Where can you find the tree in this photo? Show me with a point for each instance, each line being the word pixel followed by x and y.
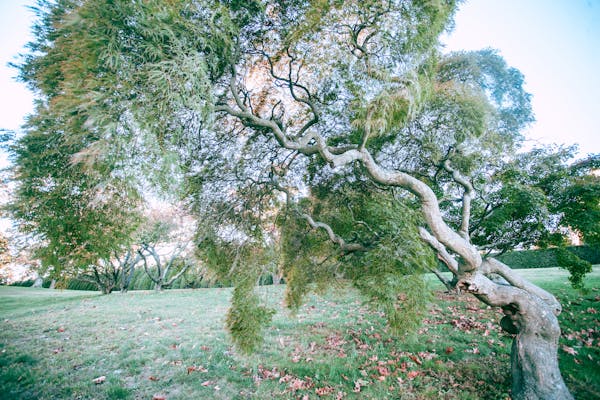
pixel 81 207
pixel 538 198
pixel 128 262
pixel 166 240
pixel 4 255
pixel 110 273
pixel 341 121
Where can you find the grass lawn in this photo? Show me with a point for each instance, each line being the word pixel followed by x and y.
pixel 171 345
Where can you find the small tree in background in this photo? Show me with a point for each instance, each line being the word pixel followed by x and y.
pixel 165 245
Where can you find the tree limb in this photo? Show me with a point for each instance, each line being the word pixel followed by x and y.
pixel 468 194
pixel 442 252
pixel 429 202
pixel 492 265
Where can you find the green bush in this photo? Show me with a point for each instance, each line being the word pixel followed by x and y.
pixel 27 283
pixel 76 284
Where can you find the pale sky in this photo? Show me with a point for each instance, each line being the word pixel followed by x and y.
pixel 555 43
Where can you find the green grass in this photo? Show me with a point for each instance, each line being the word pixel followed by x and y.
pixel 53 344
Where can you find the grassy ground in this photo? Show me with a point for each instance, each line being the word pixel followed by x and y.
pixel 171 345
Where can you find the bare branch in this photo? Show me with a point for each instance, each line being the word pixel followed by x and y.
pixel 492 265
pixel 468 194
pixel 346 247
pixel 442 252
pixel 176 276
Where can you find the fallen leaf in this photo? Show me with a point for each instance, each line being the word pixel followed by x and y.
pixel 206 383
pixel 415 359
pixel 324 391
pixel 159 397
pixel 413 374
pixel 153 378
pixel 297 384
pixel 60 329
pixel 449 349
pixel 198 368
pixel 569 350
pixel 99 380
pixel 358 384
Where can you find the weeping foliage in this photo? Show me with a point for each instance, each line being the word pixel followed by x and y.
pixel 79 215
pixel 242 263
pixel 246 318
pixel 388 271
pixel 309 260
pixel 99 134
pixel 390 274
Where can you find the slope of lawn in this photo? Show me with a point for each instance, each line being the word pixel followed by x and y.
pixel 171 345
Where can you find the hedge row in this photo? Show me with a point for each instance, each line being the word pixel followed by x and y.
pixel 546 258
pixel 141 281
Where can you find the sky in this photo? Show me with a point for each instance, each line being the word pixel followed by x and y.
pixel 554 43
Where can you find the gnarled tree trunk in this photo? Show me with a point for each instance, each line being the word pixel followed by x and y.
pixel 534 357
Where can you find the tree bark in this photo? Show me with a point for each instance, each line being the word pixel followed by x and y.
pixel 534 357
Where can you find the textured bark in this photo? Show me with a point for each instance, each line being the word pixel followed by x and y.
pixel 534 357
pixel 534 365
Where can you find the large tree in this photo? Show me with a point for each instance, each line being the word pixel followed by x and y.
pixel 335 130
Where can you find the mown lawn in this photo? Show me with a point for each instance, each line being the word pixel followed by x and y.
pixel 172 345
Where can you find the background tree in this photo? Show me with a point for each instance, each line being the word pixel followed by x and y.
pixel 4 255
pixel 164 246
pixel 127 262
pixel 539 198
pixel 378 150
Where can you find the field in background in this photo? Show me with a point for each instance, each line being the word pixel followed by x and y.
pixel 171 345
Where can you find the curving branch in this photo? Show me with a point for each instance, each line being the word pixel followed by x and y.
pixel 441 250
pixel 431 211
pixel 494 266
pixel 468 194
pixel 345 247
